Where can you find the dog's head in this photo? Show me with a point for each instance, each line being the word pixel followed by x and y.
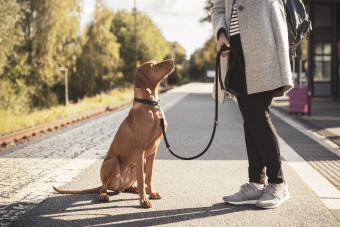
pixel 150 74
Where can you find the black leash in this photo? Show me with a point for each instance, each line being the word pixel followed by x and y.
pixel 218 79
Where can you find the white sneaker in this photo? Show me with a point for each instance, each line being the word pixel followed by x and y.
pixel 273 196
pixel 249 193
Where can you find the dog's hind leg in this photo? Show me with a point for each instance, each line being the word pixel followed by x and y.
pixel 129 178
pixel 110 177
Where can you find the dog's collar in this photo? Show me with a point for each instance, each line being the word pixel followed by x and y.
pixel 154 103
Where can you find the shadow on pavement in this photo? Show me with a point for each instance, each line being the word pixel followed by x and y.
pixel 55 211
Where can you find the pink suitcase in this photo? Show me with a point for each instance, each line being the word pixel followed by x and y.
pixel 299 100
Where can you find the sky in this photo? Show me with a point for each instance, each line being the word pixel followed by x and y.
pixel 178 20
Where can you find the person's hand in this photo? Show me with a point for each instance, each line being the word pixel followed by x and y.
pixel 223 41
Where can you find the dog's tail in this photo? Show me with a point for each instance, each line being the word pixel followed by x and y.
pixel 71 191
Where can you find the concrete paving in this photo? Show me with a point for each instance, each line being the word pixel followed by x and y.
pixel 191 190
pixel 313 137
pixel 324 119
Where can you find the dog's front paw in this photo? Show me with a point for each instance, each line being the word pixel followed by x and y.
pixel 104 197
pixel 145 203
pixel 154 195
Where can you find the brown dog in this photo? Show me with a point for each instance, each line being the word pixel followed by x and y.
pixel 135 144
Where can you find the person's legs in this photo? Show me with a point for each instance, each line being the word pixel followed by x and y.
pixel 249 193
pixel 261 129
pixel 256 166
pixel 256 116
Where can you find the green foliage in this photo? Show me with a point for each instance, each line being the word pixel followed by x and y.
pixel 203 59
pixel 13 68
pixel 54 44
pixel 39 37
pixel 54 41
pixel 44 37
pixel 151 45
pixel 9 32
pixel 10 121
pixel 13 96
pixel 99 60
pixel 14 92
pixel 179 55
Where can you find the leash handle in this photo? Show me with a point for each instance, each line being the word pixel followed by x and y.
pixel 218 79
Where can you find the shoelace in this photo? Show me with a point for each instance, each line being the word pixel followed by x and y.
pixel 272 189
pixel 245 187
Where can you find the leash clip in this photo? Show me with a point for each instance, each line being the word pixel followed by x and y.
pixel 158 106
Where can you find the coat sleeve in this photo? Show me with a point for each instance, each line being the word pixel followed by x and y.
pixel 279 26
pixel 218 17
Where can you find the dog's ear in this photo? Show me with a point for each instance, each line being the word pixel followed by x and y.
pixel 149 91
pixel 140 80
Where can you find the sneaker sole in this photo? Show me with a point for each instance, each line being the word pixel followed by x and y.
pixel 241 202
pixel 277 205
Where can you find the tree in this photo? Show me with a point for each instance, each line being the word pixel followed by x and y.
pixel 178 53
pixel 54 45
pixel 41 36
pixel 99 60
pixel 13 67
pixel 56 32
pixel 203 59
pixel 151 45
pixel 9 32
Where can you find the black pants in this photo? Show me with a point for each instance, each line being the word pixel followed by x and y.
pixel 261 138
pixel 260 134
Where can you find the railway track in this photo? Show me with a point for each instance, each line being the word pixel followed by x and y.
pixel 27 133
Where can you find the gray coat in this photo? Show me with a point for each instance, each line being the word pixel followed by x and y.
pixel 264 39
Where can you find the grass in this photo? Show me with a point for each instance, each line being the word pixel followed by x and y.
pixel 10 122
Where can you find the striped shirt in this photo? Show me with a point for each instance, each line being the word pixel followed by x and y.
pixel 234 27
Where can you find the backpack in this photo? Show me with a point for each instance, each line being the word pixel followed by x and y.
pixel 298 23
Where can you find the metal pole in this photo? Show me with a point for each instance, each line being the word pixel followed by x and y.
pixel 66 86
